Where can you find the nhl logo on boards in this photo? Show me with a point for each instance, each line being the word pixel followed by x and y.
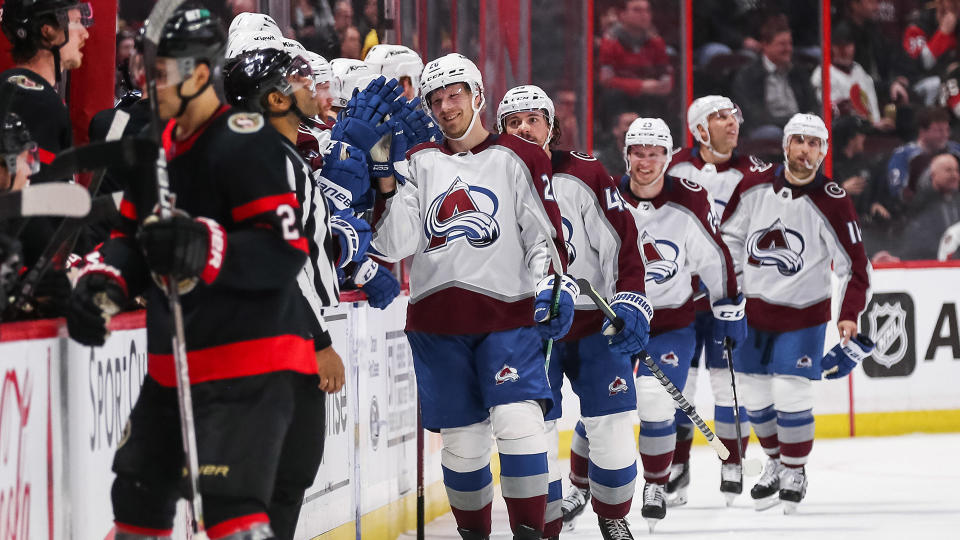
pixel 618 386
pixel 670 359
pixel 244 122
pixel 804 362
pixel 889 322
pixel 506 374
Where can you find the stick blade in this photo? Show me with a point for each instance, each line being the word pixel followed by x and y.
pixel 54 199
pixel 719 448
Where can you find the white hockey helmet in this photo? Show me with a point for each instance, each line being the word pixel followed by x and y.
pixel 395 61
pixel 348 75
pixel 700 110
pixel 249 22
pixel 452 69
pixel 527 97
pixel 242 42
pixel 294 48
pixel 806 125
pixel 322 70
pixel 650 132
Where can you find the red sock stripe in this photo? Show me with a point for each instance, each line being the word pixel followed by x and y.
pixel 579 470
pixel 611 511
pixel 528 511
pixel 655 464
pixel 474 520
pixel 731 445
pixel 553 528
pixel 681 453
pixel 796 450
pixel 237 524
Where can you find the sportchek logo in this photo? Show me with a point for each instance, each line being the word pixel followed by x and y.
pixel 889 322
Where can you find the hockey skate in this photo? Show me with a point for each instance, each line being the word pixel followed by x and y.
pixel 764 492
pixel 573 505
pixel 526 532
pixel 677 486
pixel 654 504
pixel 793 486
pixel 470 535
pixel 731 481
pixel 615 529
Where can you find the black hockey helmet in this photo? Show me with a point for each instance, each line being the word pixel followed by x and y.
pixel 253 75
pixel 14 139
pixel 192 32
pixel 22 20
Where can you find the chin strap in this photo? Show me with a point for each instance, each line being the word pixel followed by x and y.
pixel 185 100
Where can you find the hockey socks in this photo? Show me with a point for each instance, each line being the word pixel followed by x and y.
pixel 553 518
pixel 612 491
pixel 579 450
pixel 764 423
pixel 471 496
pixel 656 443
pixel 726 429
pixel 685 429
pixel 523 480
pixel 795 432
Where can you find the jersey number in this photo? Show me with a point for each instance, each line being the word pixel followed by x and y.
pixel 288 222
pixel 613 199
pixel 547 188
pixel 854 229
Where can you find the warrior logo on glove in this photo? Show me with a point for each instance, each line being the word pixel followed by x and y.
pixel 464 211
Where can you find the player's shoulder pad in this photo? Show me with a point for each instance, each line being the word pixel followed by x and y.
pixel 529 152
pixel 688 194
pixel 243 122
pixel 422 147
pixel 580 165
pixel 830 195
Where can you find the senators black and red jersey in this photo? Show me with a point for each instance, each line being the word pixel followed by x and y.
pixel 599 232
pixel 38 104
pixel 247 316
pixel 784 240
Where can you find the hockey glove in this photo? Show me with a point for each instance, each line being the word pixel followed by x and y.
pixel 361 123
pixel 636 312
pixel 100 293
pixel 729 320
pixel 52 293
pixel 555 327
pixel 377 282
pixel 354 236
pixel 416 125
pixel 183 248
pixel 841 359
pixel 344 177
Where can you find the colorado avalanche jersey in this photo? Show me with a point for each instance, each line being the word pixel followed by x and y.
pixel 718 179
pixel 679 236
pixel 476 224
pixel 784 239
pixel 599 232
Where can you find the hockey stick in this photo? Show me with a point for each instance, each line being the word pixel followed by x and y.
pixel 153 28
pixel 56 200
pixel 751 467
pixel 616 325
pixel 557 269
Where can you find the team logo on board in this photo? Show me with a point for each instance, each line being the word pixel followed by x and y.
pixel 618 386
pixel 659 258
pixel 506 374
pixel 776 246
pixel 463 212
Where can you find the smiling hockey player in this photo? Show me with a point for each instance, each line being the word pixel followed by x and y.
pixel 602 247
pixel 785 230
pixel 476 213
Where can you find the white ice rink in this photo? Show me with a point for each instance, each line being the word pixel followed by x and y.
pixel 905 487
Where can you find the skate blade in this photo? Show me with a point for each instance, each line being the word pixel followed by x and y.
pixel 729 498
pixel 652 523
pixel 767 502
pixel 790 507
pixel 677 499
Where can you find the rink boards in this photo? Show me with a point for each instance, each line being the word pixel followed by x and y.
pixel 63 408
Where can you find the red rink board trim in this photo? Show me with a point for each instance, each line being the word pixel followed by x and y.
pixel 51 328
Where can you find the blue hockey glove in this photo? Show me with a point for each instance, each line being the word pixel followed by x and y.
pixel 555 327
pixel 377 282
pixel 416 125
pixel 636 312
pixel 841 359
pixel 353 234
pixel 376 101
pixel 344 180
pixel 729 320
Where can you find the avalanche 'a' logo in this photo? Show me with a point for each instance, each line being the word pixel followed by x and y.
pixel 567 237
pixel 464 211
pixel 618 386
pixel 659 258
pixel 506 374
pixel 776 246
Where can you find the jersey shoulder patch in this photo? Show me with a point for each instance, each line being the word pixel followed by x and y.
pixel 583 156
pixel 690 184
pixel 758 165
pixel 834 190
pixel 245 122
pixel 24 82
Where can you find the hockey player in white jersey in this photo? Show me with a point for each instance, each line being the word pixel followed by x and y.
pixel 601 239
pixel 714 122
pixel 785 229
pixel 397 62
pixel 476 213
pixel 679 237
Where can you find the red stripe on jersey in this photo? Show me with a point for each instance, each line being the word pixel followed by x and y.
pixel 46 157
pixel 263 205
pixel 128 210
pixel 240 359
pixel 118 234
pixel 301 244
pixel 176 148
pixel 236 525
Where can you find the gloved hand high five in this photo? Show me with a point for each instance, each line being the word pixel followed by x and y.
pixel 344 177
pixel 729 320
pixel 353 234
pixel 361 123
pixel 100 293
pixel 555 327
pixel 636 312
pixel 377 282
pixel 841 359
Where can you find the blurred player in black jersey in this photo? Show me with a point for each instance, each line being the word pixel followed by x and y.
pixel 235 248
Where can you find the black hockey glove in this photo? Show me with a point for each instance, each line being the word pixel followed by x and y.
pixel 52 293
pixel 100 293
pixel 182 247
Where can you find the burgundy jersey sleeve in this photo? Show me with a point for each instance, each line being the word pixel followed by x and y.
pixel 850 264
pixel 630 275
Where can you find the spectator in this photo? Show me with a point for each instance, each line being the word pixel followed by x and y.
pixel 313 26
pixel 851 89
pixel 881 59
pixel 910 160
pixel 125 44
pixel 342 17
pixel 350 46
pixel 772 89
pixel 609 147
pixel 368 26
pixel 566 104
pixel 720 30
pixel 635 71
pixel 930 40
pixel 933 210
